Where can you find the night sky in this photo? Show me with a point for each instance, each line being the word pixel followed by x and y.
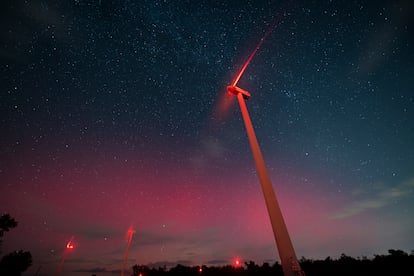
pixel 114 114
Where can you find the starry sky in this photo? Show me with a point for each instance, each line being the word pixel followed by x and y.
pixel 114 114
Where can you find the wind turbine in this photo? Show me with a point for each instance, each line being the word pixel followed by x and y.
pixel 284 245
pixel 69 247
pixel 130 232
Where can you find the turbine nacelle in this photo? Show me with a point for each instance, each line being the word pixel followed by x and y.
pixel 232 89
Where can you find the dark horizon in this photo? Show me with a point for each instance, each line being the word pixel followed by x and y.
pixel 395 262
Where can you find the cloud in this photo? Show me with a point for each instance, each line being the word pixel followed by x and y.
pixel 185 262
pixel 217 262
pixel 383 197
pixel 212 150
pixel 148 238
pixel 381 42
pixel 92 270
pixel 96 231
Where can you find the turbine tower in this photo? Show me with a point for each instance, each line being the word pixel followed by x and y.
pixel 284 245
pixel 287 253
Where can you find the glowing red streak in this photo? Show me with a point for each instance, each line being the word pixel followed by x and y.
pixel 69 247
pixel 238 76
pixel 225 101
pixel 129 233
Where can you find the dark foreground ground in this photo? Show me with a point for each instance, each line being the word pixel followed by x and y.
pixel 396 263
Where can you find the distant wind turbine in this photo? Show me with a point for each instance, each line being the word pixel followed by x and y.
pixel 130 232
pixel 69 247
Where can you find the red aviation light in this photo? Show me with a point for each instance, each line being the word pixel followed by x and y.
pixel 237 263
pixel 70 245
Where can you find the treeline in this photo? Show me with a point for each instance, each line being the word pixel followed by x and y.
pixel 397 262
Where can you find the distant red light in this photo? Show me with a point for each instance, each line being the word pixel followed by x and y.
pixel 200 270
pixel 237 263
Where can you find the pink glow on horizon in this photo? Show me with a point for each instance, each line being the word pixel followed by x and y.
pixel 180 216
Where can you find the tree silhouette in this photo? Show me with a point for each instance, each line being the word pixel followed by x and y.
pixel 13 264
pixel 397 262
pixel 6 223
